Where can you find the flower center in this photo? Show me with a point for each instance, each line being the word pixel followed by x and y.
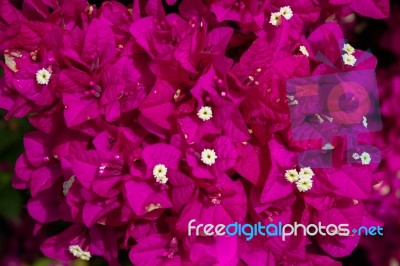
pixel 208 156
pixel 43 76
pixel 205 113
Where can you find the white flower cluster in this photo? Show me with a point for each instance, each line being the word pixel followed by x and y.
pixel 276 17
pixel 303 179
pixel 348 57
pixel 364 157
pixel 160 173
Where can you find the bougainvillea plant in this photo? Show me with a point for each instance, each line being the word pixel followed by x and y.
pixel 153 114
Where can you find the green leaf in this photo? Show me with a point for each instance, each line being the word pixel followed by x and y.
pixel 10 203
pixel 42 262
pixel 5 179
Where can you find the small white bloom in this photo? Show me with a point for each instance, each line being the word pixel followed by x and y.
pixel 328 146
pixel 85 255
pixel 286 12
pixel 208 156
pixel 43 76
pixel 275 18
pixel 306 172
pixel 304 184
pixel 76 250
pixel 304 51
pixel 348 49
pixel 364 121
pixel 365 158
pixel 356 156
pixel 162 180
pixel 349 59
pixel 67 185
pixel 160 173
pixel 292 175
pixel 205 113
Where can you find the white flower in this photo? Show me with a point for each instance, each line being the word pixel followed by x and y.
pixel 328 146
pixel 208 156
pixel 287 12
pixel 348 49
pixel 85 255
pixel 304 184
pixel 365 158
pixel 43 76
pixel 160 173
pixel 275 18
pixel 349 59
pixel 304 51
pixel 306 172
pixel 292 175
pixel 205 113
pixel 364 121
pixel 75 250
pixel 162 180
pixel 79 253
